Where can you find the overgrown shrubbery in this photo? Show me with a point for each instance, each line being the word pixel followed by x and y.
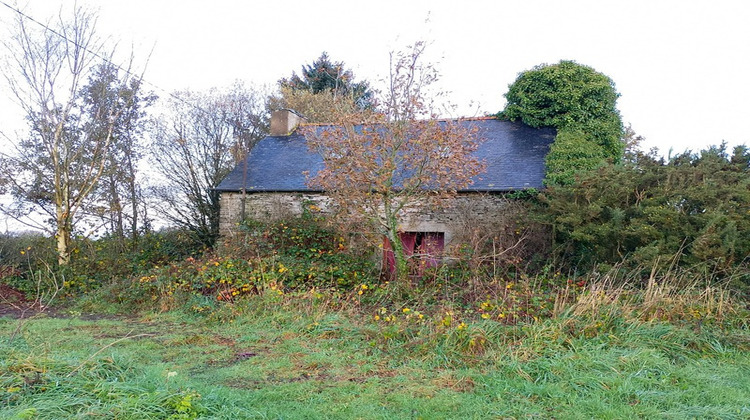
pixel 296 254
pixel 22 257
pixel 23 251
pixel 26 258
pixel 103 259
pixel 308 251
pixel 506 245
pixel 691 211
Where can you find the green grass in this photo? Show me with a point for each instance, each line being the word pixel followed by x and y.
pixel 268 358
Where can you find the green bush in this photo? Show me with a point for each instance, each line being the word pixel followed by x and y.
pixel 109 257
pixel 692 210
pixel 95 261
pixel 572 152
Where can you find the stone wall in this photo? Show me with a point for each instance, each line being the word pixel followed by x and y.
pixel 456 217
pixel 265 207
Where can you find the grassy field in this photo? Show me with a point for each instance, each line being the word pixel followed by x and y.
pixel 300 356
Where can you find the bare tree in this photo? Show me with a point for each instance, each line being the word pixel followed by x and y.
pixel 56 168
pixel 404 156
pixel 196 145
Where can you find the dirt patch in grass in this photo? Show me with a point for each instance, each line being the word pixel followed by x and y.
pixel 323 375
pixel 13 304
pixel 273 380
pixel 235 356
pixel 464 384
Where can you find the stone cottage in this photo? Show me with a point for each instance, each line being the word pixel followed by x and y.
pixel 271 182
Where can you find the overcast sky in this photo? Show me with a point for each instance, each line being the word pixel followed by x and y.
pixel 682 67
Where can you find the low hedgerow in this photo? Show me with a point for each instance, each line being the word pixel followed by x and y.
pixel 22 256
pixel 98 261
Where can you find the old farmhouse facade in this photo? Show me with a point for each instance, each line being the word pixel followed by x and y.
pixel 271 182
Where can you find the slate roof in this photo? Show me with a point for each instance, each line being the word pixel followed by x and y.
pixel 513 152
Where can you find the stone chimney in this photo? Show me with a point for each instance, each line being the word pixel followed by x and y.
pixel 284 122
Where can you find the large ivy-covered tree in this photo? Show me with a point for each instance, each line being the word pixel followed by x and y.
pixel 581 103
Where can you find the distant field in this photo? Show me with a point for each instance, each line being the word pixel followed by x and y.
pixel 300 361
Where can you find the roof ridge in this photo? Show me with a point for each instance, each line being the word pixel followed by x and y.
pixel 458 119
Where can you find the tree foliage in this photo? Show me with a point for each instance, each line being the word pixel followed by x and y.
pixel 119 197
pixel 323 90
pixel 572 152
pixel 577 100
pixel 401 158
pixel 55 170
pixel 196 145
pixel 320 107
pixel 692 210
pixel 323 75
